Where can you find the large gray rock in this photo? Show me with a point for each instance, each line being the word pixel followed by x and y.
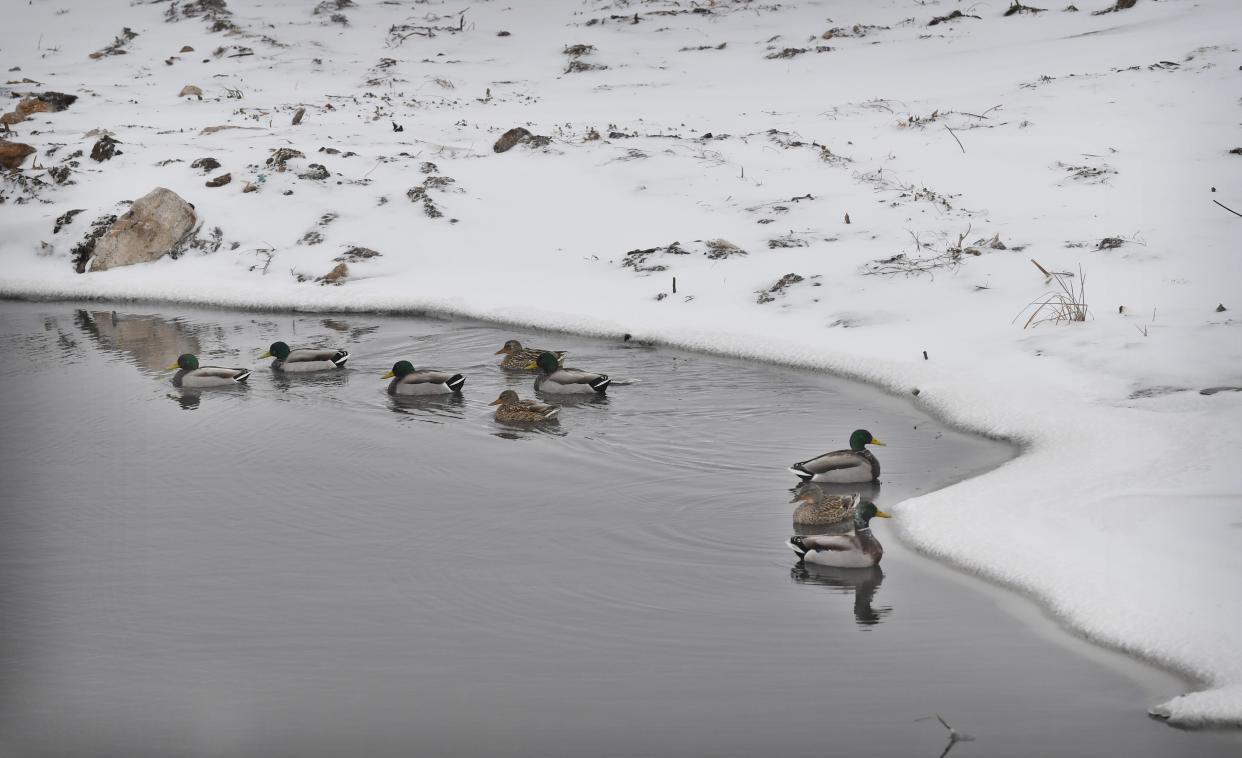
pixel 149 230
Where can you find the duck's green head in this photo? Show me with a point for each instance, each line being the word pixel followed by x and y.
pixel 278 349
pixel 511 347
pixel 186 362
pixel 862 438
pixel 546 362
pixel 865 512
pixel 507 397
pixel 400 369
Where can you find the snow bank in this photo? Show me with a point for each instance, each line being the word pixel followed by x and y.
pixel 1051 133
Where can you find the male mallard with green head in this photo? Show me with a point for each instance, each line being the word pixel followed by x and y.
pixel 304 359
pixel 190 374
pixel 858 550
pixel 515 410
pixel 554 379
pixel 407 381
pixel 519 358
pixel 843 466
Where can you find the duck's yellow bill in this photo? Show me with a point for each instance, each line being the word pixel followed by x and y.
pixel 881 514
pixel 389 375
pixel 172 367
pixel 268 354
pixel 497 401
pixel 874 441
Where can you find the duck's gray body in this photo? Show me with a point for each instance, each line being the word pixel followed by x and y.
pixel 566 381
pixel 839 466
pixel 858 550
pixel 309 359
pixel 210 376
pixel 426 383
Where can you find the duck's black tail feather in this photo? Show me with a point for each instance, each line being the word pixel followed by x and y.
pixel 801 472
pixel 455 382
pixel 242 376
pixel 340 358
pixel 601 384
pixel 795 544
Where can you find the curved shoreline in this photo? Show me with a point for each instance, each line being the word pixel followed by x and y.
pixel 918 528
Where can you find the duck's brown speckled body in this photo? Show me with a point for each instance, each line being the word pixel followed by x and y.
pixel 516 410
pixel 518 358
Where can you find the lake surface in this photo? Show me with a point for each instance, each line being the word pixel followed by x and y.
pixel 306 566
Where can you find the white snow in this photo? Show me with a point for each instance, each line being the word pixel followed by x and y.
pixel 1123 515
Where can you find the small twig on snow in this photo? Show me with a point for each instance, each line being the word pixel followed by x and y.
pixel 1231 210
pixel 959 142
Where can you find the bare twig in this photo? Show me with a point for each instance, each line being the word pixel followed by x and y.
pixel 983 116
pixel 1231 210
pixel 954 735
pixel 959 142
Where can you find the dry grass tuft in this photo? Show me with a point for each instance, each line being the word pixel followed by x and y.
pixel 1067 303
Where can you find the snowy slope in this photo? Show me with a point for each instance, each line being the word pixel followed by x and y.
pixel 1051 131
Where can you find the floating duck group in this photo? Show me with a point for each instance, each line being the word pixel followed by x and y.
pixel 553 377
pixel 825 509
pixel 856 549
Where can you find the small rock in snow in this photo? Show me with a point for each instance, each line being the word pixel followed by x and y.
pixel 206 164
pixel 13 153
pixel 336 276
pixel 510 138
pixel 104 149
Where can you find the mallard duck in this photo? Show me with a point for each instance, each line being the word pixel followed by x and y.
pixel 190 374
pixel 554 379
pixel 518 357
pixel 819 508
pixel 514 409
pixel 304 359
pixel 844 466
pixel 411 382
pixel 858 550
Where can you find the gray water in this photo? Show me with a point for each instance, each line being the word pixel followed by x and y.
pixel 309 567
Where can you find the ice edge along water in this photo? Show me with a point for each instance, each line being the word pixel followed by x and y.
pixel 1121 516
pixel 1011 525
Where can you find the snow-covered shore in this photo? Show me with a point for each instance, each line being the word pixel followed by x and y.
pixel 1050 132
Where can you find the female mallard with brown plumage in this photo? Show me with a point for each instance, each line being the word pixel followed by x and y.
pixel 554 379
pixel 819 508
pixel 858 550
pixel 519 358
pixel 304 359
pixel 515 410
pixel 190 374
pixel 407 381
pixel 843 466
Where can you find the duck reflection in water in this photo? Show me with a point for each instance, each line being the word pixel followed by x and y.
pixel 189 400
pixel 863 583
pixel 315 382
pixel 430 408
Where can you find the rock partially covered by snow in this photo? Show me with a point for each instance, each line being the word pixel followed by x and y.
pixel 149 230
pixel 13 153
